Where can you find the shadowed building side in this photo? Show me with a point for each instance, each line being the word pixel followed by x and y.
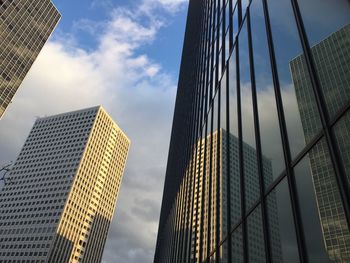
pixel 181 145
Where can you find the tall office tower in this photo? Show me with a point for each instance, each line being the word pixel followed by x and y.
pixel 205 207
pixel 60 197
pixel 334 72
pixel 235 76
pixel 25 26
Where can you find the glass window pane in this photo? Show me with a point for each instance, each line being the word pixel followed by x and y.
pixel 250 165
pixel 208 216
pixel 235 20
pixel 342 134
pixel 330 46
pixel 326 233
pixel 233 94
pixel 234 166
pixel 300 108
pixel 284 247
pixel 224 157
pixel 244 6
pixel 271 142
pixel 216 180
pixel 237 246
pixel 256 246
pixel 330 16
pixel 224 248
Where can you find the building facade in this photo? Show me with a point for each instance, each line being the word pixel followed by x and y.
pixel 60 196
pixel 25 26
pixel 274 75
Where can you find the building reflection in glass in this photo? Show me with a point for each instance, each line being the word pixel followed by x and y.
pixel 332 60
pixel 204 208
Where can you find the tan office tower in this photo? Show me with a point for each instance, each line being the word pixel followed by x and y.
pixel 197 212
pixel 25 26
pixel 60 196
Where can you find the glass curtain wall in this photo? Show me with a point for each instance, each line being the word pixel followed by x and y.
pixel 266 176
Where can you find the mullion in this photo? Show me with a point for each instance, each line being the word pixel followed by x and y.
pixel 211 84
pixel 185 216
pixel 181 206
pixel 174 230
pixel 258 142
pixel 203 175
pixel 200 113
pixel 190 212
pixel 195 127
pixel 240 137
pixel 223 39
pixel 217 174
pixel 231 25
pixel 285 142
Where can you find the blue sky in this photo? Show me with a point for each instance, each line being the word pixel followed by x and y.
pixel 124 55
pixel 166 47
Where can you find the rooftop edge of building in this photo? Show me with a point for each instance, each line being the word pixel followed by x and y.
pixel 96 108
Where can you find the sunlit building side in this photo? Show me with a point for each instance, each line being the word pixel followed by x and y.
pixel 59 199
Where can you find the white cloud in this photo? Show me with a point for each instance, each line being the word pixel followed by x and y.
pixel 171 6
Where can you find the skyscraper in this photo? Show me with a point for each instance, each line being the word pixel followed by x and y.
pixel 219 215
pixel 235 77
pixel 205 206
pixel 334 69
pixel 25 26
pixel 60 199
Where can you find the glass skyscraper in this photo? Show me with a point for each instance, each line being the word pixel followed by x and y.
pixel 258 167
pixel 25 26
pixel 59 198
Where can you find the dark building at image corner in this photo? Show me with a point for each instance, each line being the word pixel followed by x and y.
pixel 258 165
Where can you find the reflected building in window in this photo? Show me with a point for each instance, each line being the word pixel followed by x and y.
pixel 332 59
pixel 209 205
pixel 60 197
pixel 25 26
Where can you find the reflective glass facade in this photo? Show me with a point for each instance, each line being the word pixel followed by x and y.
pixel 259 159
pixel 25 26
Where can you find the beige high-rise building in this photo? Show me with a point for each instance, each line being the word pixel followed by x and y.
pixel 25 26
pixel 197 212
pixel 60 196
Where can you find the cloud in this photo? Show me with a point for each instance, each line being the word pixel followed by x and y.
pixel 133 88
pixel 171 6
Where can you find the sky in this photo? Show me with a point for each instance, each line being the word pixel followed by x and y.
pixel 124 55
